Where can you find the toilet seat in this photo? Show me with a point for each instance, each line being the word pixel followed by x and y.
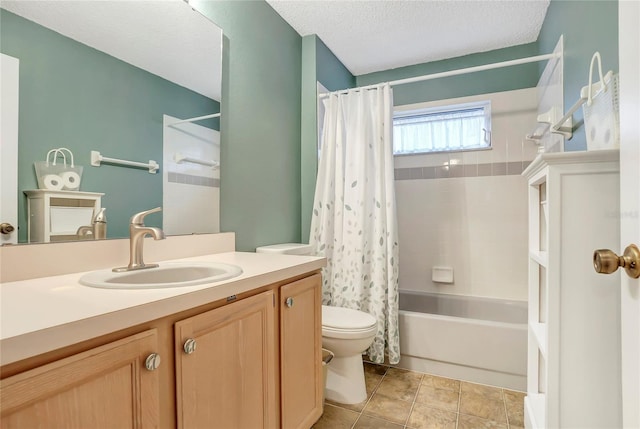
pixel 345 323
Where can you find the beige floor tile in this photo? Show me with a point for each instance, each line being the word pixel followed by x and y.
pixel 368 422
pixel 515 407
pixel 403 374
pixel 372 381
pixel 488 392
pixel 336 418
pixel 482 406
pixel 353 407
pixel 403 388
pixel 441 382
pixel 388 408
pixel 438 398
pixel 424 417
pixel 374 368
pixel 515 393
pixel 471 422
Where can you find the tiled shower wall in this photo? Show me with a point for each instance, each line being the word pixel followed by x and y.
pixel 191 192
pixel 468 210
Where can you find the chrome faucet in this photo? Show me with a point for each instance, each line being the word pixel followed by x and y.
pixel 98 228
pixel 85 232
pixel 137 232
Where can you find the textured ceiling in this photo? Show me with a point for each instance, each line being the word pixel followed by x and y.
pixel 165 37
pixel 375 35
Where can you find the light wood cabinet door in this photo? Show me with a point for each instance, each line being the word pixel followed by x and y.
pixel 105 387
pixel 301 352
pixel 229 380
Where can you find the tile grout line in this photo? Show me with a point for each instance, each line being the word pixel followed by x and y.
pixel 373 392
pixel 458 407
pixel 506 412
pixel 413 403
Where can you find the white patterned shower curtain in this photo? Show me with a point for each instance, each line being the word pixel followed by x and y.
pixel 354 223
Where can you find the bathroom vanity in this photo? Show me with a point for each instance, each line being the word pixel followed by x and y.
pixel 245 352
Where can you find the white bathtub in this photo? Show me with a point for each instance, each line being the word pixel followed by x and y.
pixel 476 339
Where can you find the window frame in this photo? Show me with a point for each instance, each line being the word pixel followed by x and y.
pixel 445 109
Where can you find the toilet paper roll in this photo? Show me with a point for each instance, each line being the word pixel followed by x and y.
pixel 53 182
pixel 71 180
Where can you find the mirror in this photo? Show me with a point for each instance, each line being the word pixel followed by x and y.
pixel 118 78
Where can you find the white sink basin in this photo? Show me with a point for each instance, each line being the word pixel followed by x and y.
pixel 168 274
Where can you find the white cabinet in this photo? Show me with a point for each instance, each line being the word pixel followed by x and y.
pixel 573 375
pixel 57 215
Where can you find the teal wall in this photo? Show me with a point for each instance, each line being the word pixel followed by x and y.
pixel 260 139
pixel 330 71
pixel 74 96
pixel 505 79
pixel 588 26
pixel 319 64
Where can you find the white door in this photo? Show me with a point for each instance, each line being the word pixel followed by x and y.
pixel 9 68
pixel 629 44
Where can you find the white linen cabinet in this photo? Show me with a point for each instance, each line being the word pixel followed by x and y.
pixel 573 372
pixel 57 215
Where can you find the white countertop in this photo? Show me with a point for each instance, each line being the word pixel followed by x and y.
pixel 44 314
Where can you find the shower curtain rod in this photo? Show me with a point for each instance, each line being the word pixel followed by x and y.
pixel 474 69
pixel 198 118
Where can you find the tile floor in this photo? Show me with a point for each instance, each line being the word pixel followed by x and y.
pixel 400 399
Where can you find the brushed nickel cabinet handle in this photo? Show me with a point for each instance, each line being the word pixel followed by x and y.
pixel 189 346
pixel 289 302
pixel 152 362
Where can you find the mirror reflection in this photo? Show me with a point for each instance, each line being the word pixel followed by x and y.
pixel 131 81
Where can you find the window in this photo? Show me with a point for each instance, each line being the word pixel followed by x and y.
pixel 442 129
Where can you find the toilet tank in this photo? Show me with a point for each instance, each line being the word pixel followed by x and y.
pixel 286 249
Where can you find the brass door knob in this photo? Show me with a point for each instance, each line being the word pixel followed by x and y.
pixel 6 228
pixel 606 261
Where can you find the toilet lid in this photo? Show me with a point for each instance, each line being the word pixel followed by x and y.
pixel 346 318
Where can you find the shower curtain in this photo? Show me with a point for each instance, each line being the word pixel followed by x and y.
pixel 354 223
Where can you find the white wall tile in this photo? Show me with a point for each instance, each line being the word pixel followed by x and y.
pixel 189 207
pixel 477 225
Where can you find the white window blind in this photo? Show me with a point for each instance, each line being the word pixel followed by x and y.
pixel 444 129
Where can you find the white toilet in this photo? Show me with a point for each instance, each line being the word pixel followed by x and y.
pixel 347 333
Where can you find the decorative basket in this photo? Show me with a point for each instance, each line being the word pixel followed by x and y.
pixel 601 110
pixel 54 176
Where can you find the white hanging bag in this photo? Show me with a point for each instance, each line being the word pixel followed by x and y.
pixel 601 117
pixel 58 177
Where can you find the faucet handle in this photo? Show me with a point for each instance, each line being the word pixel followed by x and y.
pixel 138 218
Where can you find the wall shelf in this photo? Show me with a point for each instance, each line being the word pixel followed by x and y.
pixel 540 257
pixel 535 411
pixel 539 332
